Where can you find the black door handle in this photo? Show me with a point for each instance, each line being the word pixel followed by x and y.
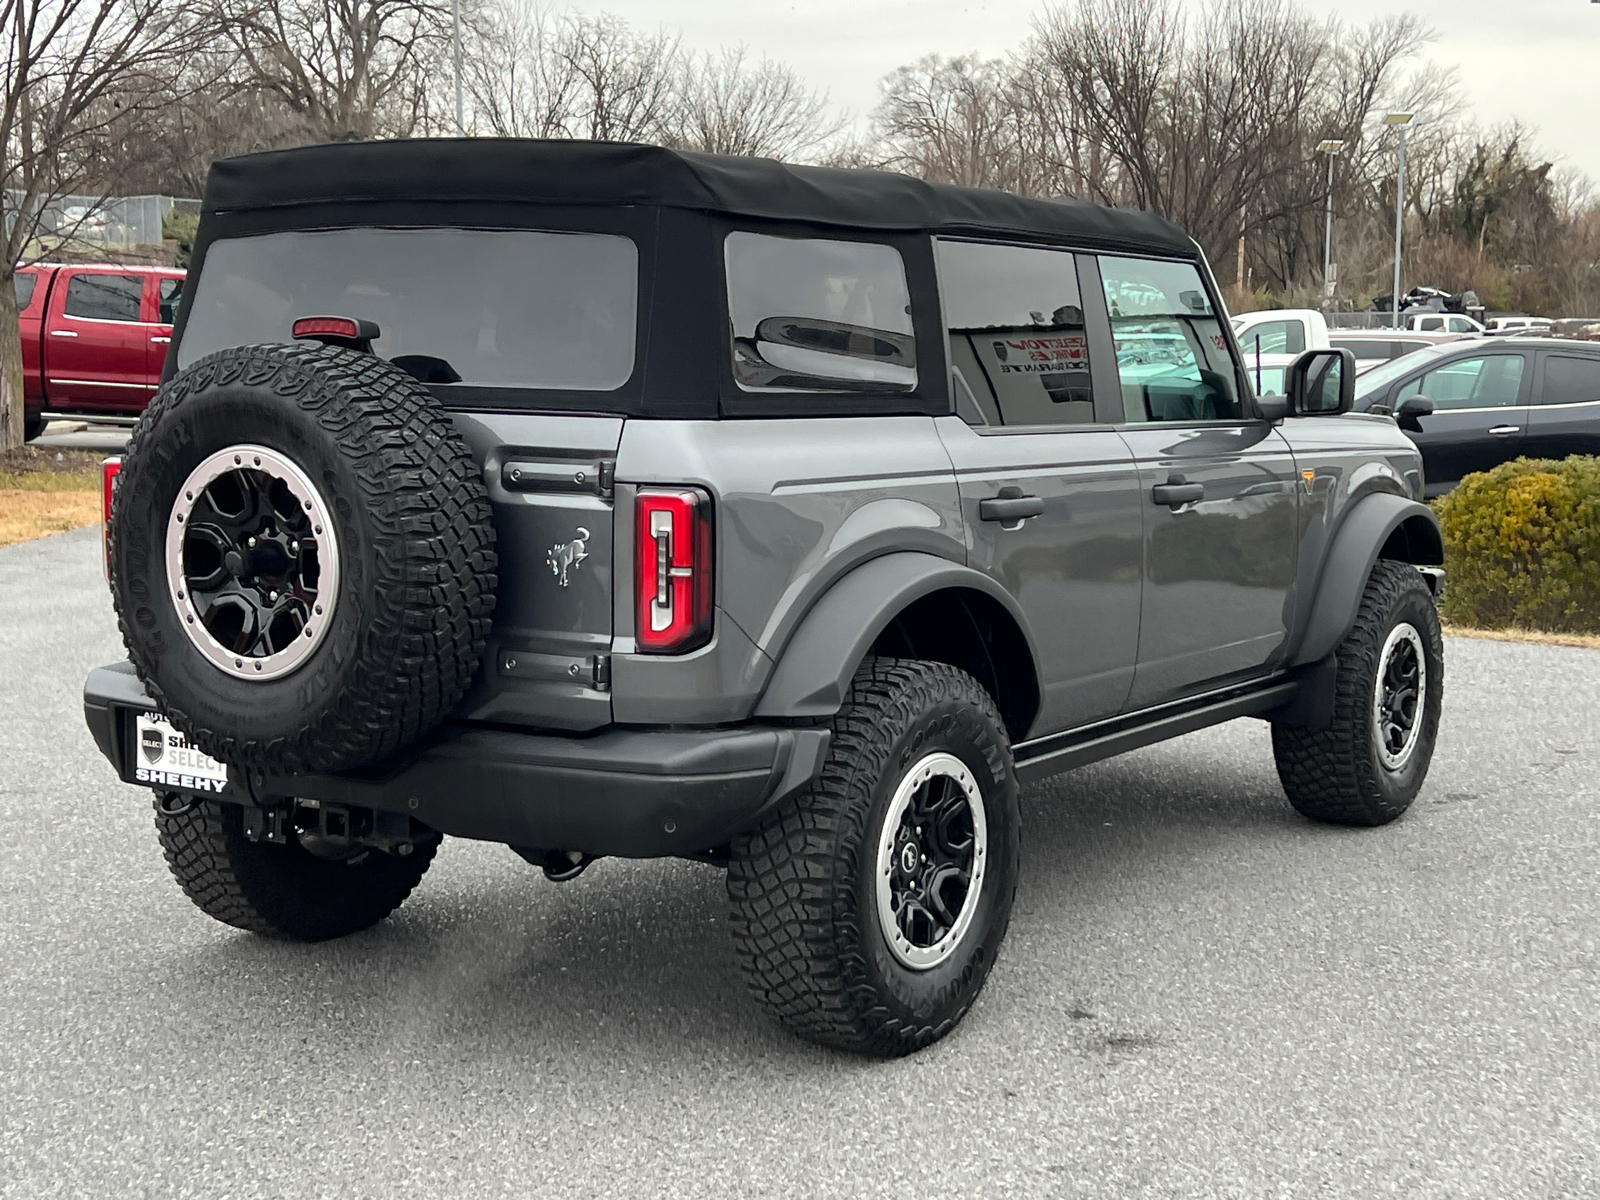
pixel 1177 491
pixel 1010 505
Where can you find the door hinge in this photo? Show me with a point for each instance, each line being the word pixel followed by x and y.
pixel 600 666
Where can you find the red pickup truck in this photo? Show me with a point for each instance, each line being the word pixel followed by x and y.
pixel 94 338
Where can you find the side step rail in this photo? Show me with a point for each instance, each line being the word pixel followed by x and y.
pixel 1040 758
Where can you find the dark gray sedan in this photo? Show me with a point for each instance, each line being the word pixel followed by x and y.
pixel 1492 401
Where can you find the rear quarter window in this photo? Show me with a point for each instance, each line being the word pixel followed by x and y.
pixel 818 315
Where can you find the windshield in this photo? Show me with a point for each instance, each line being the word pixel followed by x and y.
pixel 1380 378
pixel 490 307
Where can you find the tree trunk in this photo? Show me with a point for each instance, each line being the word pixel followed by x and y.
pixel 10 365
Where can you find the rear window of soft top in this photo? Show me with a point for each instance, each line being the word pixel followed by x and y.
pixel 481 307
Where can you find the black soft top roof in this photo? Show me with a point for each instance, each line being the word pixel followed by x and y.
pixel 494 171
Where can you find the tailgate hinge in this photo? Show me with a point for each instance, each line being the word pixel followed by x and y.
pixel 559 475
pixel 600 665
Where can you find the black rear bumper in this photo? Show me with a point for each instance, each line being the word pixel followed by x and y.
pixel 630 792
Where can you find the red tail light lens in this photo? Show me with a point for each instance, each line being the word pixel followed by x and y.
pixel 672 575
pixel 109 470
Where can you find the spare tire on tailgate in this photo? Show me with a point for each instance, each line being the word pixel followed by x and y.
pixel 302 557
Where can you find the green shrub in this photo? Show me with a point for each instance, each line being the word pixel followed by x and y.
pixel 1522 546
pixel 181 228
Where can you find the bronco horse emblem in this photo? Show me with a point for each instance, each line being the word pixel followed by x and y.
pixel 565 556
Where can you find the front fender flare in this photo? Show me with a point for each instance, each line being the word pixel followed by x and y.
pixel 1356 547
pixel 814 671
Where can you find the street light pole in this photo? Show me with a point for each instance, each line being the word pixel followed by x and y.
pixel 1399 120
pixel 461 123
pixel 1331 148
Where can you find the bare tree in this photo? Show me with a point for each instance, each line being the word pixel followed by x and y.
pixel 349 69
pixel 1207 118
pixel 82 79
pixel 727 105
pixel 520 79
pixel 953 120
pixel 538 74
pixel 626 79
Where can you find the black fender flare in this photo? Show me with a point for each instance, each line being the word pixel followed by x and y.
pixel 815 668
pixel 1362 536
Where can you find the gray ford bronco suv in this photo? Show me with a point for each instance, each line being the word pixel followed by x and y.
pixel 601 499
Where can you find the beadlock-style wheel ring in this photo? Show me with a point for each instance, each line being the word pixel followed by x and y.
pixel 931 859
pixel 252 562
pixel 1399 695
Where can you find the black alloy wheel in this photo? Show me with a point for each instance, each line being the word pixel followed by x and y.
pixel 253 562
pixel 931 861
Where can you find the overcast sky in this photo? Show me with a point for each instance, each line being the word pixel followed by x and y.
pixel 1537 60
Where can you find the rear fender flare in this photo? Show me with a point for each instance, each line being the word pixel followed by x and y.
pixel 1409 529
pixel 815 668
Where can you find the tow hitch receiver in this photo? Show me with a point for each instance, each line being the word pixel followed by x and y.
pixel 335 827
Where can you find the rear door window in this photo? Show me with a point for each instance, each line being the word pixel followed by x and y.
pixel 104 297
pixel 1019 353
pixel 488 307
pixel 24 285
pixel 1569 379
pixel 1172 356
pixel 817 315
pixel 1490 381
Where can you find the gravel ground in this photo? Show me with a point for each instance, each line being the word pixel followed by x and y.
pixel 1202 994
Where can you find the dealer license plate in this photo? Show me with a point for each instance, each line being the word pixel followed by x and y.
pixel 163 757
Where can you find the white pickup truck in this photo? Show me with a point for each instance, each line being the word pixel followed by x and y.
pixel 1281 331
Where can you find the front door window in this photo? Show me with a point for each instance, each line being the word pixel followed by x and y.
pixel 1490 381
pixel 1172 356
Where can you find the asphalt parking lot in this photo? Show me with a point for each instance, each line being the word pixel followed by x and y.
pixel 1202 993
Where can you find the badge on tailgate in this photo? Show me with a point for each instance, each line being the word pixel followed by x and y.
pixel 163 757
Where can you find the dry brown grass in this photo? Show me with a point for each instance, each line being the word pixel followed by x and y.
pixel 29 460
pixel 46 491
pixel 1588 641
pixel 34 512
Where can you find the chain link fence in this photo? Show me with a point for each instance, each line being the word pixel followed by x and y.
pixel 120 221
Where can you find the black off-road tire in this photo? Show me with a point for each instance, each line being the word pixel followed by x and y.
pixel 415 551
pixel 1338 774
pixel 282 891
pixel 805 916
pixel 32 426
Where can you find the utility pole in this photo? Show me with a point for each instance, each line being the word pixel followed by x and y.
pixel 461 122
pixel 1399 120
pixel 1331 148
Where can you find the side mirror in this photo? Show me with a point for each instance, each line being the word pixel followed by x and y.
pixel 1274 408
pixel 1411 409
pixel 1321 383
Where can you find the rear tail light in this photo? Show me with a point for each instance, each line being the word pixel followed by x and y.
pixel 109 470
pixel 672 578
